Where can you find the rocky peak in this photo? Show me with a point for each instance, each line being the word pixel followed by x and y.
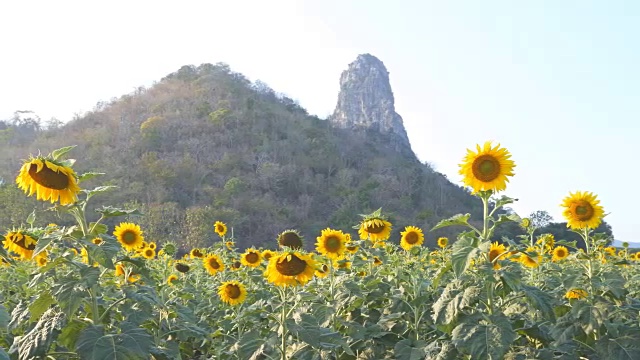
pixel 366 101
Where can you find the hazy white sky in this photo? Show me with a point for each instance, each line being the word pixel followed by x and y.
pixel 557 83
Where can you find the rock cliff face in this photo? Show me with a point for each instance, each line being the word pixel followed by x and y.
pixel 366 101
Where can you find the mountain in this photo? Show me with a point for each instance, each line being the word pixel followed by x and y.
pixel 366 102
pixel 206 144
pixel 632 245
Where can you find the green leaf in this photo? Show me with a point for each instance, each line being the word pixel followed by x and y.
pixel 4 355
pixel 98 190
pixel 505 200
pixel 540 300
pixel 70 333
pixel 454 220
pixel 484 337
pixel 40 305
pixel 250 345
pixel 88 175
pixel 130 344
pixel 4 317
pixel 505 219
pixel 463 252
pixel 109 211
pixel 103 254
pixel 453 299
pixel 69 295
pixel 31 218
pixel 36 342
pixel 98 229
pixel 42 244
pixel 410 349
pixel 620 348
pixel 5 255
pixel 89 276
pixel 56 154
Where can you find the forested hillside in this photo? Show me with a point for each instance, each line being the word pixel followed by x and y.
pixel 205 144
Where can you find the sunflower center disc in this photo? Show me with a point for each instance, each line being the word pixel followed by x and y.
pixel 375 229
pixel 149 252
pixel 252 258
pixel 291 240
pixel 486 168
pixel 412 238
pixel 129 237
pixel 584 211
pixel 332 244
pixel 22 241
pixel 232 291
pixel 214 264
pixel 493 254
pixel 49 178
pixel 220 228
pixel 182 268
pixel 292 267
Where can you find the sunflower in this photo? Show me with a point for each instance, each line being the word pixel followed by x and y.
pixel 235 265
pixel 610 250
pixel 232 292
pixel 487 169
pixel 120 271
pixel 525 223
pixel 152 245
pixel 290 239
pixel 213 264
pixel 290 268
pixel 548 241
pixel 220 228
pixel 443 242
pixel 377 261
pixel 267 254
pixel 251 258
pixel 410 237
pixel 375 229
pixel 49 179
pixel 42 259
pixel 85 257
pixel 529 261
pixel 322 271
pixel 149 253
pixel 576 294
pixel 129 235
pixel 352 249
pixel 230 245
pixel 196 253
pixel 560 253
pixel 171 279
pixel 496 251
pixel 97 241
pixel 21 244
pixel 182 267
pixel 582 210
pixel 331 243
pixel 343 265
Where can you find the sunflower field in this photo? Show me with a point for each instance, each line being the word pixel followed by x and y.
pixel 95 292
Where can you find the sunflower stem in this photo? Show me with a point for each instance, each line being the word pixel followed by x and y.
pixel 283 322
pixel 485 206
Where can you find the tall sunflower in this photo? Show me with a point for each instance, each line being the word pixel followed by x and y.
pixel 50 179
pixel 290 239
pixel 374 228
pixel 232 292
pixel 267 254
pixel 220 228
pixel 488 168
pixel 171 279
pixel 213 264
pixel 290 268
pixel 582 210
pixel 410 237
pixel 560 253
pixel 331 243
pixel 443 242
pixel 196 253
pixel 129 235
pixel 530 261
pixel 20 243
pixel 251 258
pixel 496 251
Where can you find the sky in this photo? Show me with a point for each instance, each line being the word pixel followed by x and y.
pixel 556 83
